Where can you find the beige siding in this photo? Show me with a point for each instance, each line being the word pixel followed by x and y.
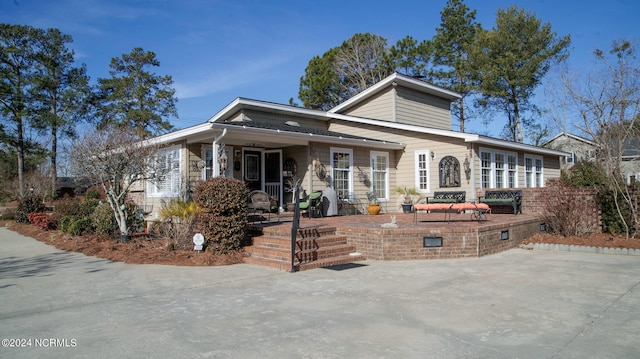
pixel 416 108
pixel 380 107
pixel 402 163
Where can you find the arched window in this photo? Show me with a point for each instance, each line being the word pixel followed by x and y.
pixel 449 169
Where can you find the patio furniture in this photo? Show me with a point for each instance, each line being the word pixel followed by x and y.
pixel 312 205
pixel 479 210
pixel 260 201
pixel 350 199
pixel 446 197
pixel 504 198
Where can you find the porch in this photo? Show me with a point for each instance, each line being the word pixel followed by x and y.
pixel 365 237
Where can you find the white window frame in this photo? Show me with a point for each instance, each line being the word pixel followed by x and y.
pixel 536 173
pixel 173 176
pixel 373 155
pixel 423 184
pixel 505 171
pixel 207 158
pixel 334 150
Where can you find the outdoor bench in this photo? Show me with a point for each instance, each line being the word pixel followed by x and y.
pixel 503 198
pixel 447 197
pixel 478 210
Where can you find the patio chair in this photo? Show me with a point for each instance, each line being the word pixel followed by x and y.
pixel 260 201
pixel 312 204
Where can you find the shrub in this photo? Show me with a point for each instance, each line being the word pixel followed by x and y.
pixel 585 174
pixel 562 214
pixel 40 220
pixel 611 222
pixel 103 220
pixel 223 214
pixel 177 220
pixel 26 205
pixel 75 225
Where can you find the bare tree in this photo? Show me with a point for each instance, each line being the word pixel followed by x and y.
pixel 608 101
pixel 116 161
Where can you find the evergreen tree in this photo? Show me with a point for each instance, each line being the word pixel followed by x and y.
pixel 60 91
pixel 511 60
pixel 134 98
pixel 451 44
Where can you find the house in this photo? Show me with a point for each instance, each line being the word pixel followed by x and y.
pixel 582 149
pixel 578 148
pixel 395 133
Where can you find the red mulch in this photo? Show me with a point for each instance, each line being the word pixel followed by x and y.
pixel 139 250
pixel 593 240
pixel 143 250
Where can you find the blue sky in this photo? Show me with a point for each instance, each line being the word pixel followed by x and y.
pixel 216 51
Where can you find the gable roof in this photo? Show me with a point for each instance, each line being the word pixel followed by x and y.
pixel 571 136
pixel 394 80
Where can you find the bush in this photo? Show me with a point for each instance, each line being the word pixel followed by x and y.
pixel 562 214
pixel 223 212
pixel 103 220
pixel 30 204
pixel 611 222
pixel 72 207
pixel 40 220
pixel 75 225
pixel 177 220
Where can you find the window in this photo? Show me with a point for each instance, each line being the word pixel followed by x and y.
pixel 449 170
pixel 168 181
pixel 380 174
pixel 341 165
pixel 207 171
pixel 533 175
pixel 485 166
pixel 512 171
pixel 498 169
pixel 422 170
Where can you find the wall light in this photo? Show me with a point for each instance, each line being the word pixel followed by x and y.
pixel 431 242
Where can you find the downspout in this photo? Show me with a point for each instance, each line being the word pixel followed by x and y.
pixel 214 158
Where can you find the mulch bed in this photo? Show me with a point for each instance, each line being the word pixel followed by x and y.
pixel 139 250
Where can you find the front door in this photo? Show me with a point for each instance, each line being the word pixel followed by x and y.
pixel 252 171
pixel 262 171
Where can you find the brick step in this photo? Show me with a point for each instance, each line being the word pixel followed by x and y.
pixel 281 242
pixel 305 231
pixel 328 262
pixel 308 254
pixel 286 266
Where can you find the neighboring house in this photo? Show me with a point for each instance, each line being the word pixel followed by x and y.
pixel 395 133
pixel 582 149
pixel 579 148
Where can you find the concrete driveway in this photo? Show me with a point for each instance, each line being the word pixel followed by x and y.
pixel 517 304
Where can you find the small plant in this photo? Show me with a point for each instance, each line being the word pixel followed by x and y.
pixel 178 219
pixel 40 220
pixel 407 193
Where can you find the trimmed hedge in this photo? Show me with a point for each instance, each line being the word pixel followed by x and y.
pixel 223 215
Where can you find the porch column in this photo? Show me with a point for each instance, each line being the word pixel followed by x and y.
pixel 215 165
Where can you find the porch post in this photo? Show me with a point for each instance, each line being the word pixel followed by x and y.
pixel 215 166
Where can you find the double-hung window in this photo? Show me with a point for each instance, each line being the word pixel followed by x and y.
pixel 380 174
pixel 498 169
pixel 341 166
pixel 533 175
pixel 167 176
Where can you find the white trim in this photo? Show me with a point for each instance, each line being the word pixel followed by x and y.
pixel 416 155
pixel 333 150
pixel 152 188
pixel 493 175
pixel 372 154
